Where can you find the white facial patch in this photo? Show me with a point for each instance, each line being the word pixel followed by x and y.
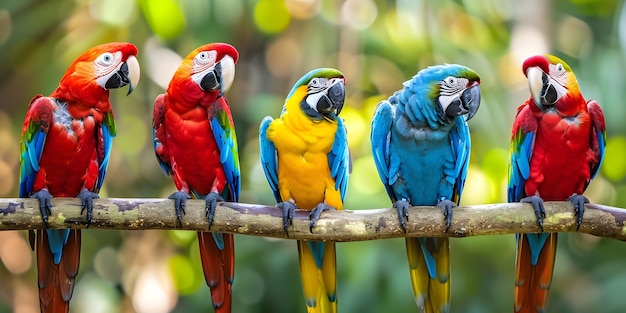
pixel 450 89
pixel 316 89
pixel 106 64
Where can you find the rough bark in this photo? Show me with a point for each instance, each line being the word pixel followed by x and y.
pixel 341 226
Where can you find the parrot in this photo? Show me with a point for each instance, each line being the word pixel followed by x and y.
pixel 557 146
pixel 64 152
pixel 306 160
pixel 195 143
pixel 421 147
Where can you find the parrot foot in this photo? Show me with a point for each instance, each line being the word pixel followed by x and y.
pixel 579 207
pixel 314 216
pixel 179 197
pixel 447 205
pixel 211 202
pixel 403 212
pixel 288 210
pixel 86 202
pixel 537 204
pixel 44 204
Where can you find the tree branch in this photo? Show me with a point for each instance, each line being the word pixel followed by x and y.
pixel 346 225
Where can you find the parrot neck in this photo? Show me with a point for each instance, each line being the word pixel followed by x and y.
pixel 84 100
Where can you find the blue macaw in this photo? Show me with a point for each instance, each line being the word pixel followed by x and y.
pixel 421 147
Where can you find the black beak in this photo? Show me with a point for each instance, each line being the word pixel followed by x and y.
pixel 467 103
pixel 120 79
pixel 213 79
pixel 332 102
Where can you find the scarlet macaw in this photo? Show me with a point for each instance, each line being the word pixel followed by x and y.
pixel 421 147
pixel 305 157
pixel 557 146
pixel 195 143
pixel 65 148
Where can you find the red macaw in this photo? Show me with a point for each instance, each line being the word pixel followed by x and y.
pixel 557 146
pixel 65 149
pixel 195 143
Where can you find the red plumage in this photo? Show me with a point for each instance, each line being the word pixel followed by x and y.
pixel 565 153
pixel 195 143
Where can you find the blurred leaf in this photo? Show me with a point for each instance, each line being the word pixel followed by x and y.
pixel 165 17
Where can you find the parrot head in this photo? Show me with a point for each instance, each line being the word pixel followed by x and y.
pixel 103 67
pixel 456 89
pixel 324 93
pixel 549 80
pixel 211 67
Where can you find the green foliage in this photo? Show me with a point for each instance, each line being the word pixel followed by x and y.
pixel 377 44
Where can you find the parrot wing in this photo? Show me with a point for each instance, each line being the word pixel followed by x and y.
pixel 522 144
pixel 598 140
pixel 339 159
pixel 158 135
pixel 36 125
pixel 380 138
pixel 269 158
pixel 226 139
pixel 105 141
pixel 461 145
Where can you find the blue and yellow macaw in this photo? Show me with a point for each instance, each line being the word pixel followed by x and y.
pixel 305 157
pixel 557 147
pixel 421 147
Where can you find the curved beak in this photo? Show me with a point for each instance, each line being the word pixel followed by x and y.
pixel 221 77
pixel 536 82
pixel 470 100
pixel 134 72
pixel 332 102
pixel 467 103
pixel 128 74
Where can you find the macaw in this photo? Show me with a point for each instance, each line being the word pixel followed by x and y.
pixel 195 143
pixel 305 157
pixel 557 146
pixel 421 147
pixel 65 148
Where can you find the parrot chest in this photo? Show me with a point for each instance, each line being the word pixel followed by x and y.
pixel 303 170
pixel 424 168
pixel 69 158
pixel 560 161
pixel 194 153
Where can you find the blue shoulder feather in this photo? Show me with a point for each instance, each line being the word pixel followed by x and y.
pixel 268 157
pixel 339 159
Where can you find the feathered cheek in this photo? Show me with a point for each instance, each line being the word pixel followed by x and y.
pixel 105 65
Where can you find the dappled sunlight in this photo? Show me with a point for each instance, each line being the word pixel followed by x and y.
pixel 378 45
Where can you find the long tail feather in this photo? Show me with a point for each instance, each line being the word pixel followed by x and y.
pixel 319 282
pixel 532 282
pixel 56 281
pixel 429 265
pixel 219 268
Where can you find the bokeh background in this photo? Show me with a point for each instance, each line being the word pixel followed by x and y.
pixel 377 44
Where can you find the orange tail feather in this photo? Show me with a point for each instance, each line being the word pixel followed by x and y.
pixel 532 283
pixel 56 281
pixel 219 269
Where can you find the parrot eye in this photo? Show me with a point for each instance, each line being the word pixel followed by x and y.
pixel 451 81
pixel 559 68
pixel 205 57
pixel 106 58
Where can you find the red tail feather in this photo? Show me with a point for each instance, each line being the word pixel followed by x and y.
pixel 219 269
pixel 532 283
pixel 56 281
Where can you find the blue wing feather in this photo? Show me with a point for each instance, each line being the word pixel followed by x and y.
pixel 380 136
pixel 107 140
pixel 461 147
pixel 268 157
pixel 339 159
pixel 224 134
